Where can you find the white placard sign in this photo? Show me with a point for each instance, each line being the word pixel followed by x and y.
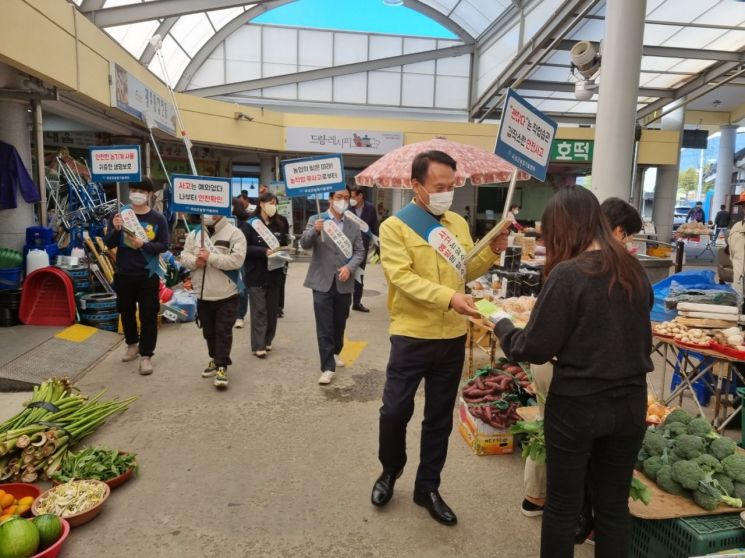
pixel 325 140
pixel 203 195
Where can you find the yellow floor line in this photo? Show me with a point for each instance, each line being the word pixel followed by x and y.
pixel 76 333
pixel 352 351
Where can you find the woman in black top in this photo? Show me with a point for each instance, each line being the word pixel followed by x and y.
pixel 265 232
pixel 593 317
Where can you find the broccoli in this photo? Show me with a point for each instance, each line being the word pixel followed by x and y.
pixel 727 485
pixel 734 467
pixel 722 447
pixel 689 447
pixel 678 415
pixel 654 443
pixel 709 463
pixel 709 493
pixel 674 429
pixel 652 465
pixel 739 491
pixel 688 474
pixel 665 481
pixel 699 427
pixel 673 458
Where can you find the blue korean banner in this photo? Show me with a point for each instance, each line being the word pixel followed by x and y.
pixel 525 136
pixel 202 195
pixel 313 175
pixel 115 163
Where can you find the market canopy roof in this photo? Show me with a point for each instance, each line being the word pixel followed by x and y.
pixel 435 58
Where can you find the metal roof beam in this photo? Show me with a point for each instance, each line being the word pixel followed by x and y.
pixel 718 72
pixel 562 21
pixel 440 18
pixel 676 52
pixel 324 73
pixel 568 87
pixel 166 25
pixel 146 11
pixel 694 24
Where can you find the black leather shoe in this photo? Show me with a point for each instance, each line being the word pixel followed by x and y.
pixel 436 506
pixel 360 308
pixel 382 491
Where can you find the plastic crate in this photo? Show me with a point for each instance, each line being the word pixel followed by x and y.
pixel 685 537
pixel 11 278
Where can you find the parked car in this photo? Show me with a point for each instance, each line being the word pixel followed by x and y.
pixel 679 216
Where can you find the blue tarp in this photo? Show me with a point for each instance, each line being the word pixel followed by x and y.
pixel 699 280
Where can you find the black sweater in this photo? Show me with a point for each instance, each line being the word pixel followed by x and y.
pixel 130 261
pixel 601 341
pixel 255 272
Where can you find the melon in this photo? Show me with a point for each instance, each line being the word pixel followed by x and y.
pixel 19 538
pixel 50 529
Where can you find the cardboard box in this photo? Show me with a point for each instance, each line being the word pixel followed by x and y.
pixel 482 438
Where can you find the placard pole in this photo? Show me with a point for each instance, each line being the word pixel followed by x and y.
pixel 510 193
pixel 118 196
pixel 318 209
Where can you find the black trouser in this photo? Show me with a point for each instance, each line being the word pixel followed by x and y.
pixel 133 292
pixel 282 283
pixel 360 285
pixel 331 310
pixel 263 306
pixel 440 363
pixel 606 429
pixel 217 318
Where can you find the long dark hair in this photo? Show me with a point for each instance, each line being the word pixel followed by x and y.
pixel 274 220
pixel 571 222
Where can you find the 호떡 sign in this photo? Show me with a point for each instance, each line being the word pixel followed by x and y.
pixel 525 136
pixel 115 163
pixel 572 151
pixel 360 142
pixel 313 175
pixel 202 195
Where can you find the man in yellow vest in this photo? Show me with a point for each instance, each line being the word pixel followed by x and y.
pixel 423 250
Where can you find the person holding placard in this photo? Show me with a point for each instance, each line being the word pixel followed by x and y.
pixel 423 250
pixel 265 234
pixel 216 279
pixel 366 213
pixel 139 235
pixel 337 253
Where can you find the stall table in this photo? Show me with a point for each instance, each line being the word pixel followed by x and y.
pixel 721 366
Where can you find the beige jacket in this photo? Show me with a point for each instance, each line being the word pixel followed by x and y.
pixel 736 241
pixel 229 254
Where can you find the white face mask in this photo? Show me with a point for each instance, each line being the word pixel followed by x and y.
pixel 515 212
pixel 340 206
pixel 353 202
pixel 440 202
pixel 209 220
pixel 270 209
pixel 138 198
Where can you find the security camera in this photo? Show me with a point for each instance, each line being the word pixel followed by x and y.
pixel 586 61
pixel 584 89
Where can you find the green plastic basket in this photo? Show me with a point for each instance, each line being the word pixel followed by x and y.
pixel 682 538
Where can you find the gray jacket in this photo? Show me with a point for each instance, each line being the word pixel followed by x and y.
pixel 327 258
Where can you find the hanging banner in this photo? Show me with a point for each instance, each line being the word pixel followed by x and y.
pixel 134 97
pixel 313 175
pixel 115 163
pixel 202 195
pixel 525 136
pixel 358 142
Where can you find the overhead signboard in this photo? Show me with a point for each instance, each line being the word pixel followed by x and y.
pixel 525 136
pixel 134 97
pixel 358 142
pixel 202 195
pixel 572 151
pixel 115 163
pixel 313 175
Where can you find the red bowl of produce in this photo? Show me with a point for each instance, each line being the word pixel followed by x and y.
pixel 81 517
pixel 20 490
pixel 54 550
pixel 115 481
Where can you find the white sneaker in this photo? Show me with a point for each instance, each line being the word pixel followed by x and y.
pixel 240 324
pixel 131 353
pixel 146 367
pixel 326 377
pixel 339 361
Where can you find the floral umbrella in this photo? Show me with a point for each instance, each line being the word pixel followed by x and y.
pixel 393 170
